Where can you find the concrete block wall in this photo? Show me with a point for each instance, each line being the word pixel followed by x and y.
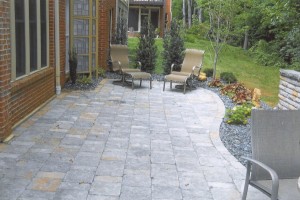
pixel 289 90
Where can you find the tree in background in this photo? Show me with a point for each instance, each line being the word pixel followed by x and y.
pixel 221 14
pixel 173 48
pixel 146 51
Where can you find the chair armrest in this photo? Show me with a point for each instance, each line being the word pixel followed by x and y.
pixel 139 65
pixel 198 70
pixel 116 65
pixel 172 66
pixel 273 174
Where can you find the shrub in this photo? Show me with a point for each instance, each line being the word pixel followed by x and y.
pixel 215 83
pixel 239 114
pixel 73 64
pixel 237 92
pixel 228 77
pixel 267 53
pixel 101 72
pixel 173 48
pixel 85 80
pixel 146 51
pixel 189 38
pixel 208 71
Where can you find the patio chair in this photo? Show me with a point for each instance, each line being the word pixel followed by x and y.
pixel 121 64
pixel 190 68
pixel 274 168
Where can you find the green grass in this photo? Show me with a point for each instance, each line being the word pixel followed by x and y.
pixel 232 59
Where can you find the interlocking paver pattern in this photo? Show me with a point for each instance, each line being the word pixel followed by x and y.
pixel 115 143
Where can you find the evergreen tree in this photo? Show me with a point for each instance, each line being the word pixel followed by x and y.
pixel 146 51
pixel 120 35
pixel 173 48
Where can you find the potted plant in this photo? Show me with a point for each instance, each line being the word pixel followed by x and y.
pixel 73 64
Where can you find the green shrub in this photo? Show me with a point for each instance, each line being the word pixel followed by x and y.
pixel 208 71
pixel 189 38
pixel 173 48
pixel 267 53
pixel 85 80
pixel 238 114
pixel 228 77
pixel 101 72
pixel 146 50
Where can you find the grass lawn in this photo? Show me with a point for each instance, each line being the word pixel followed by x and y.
pixel 232 59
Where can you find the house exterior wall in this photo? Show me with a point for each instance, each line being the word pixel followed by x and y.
pixel 165 13
pixel 104 23
pixel 5 71
pixel 21 97
pixel 62 41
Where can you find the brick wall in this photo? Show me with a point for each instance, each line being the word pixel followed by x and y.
pixel 5 71
pixel 30 92
pixel 20 98
pixel 62 41
pixel 104 9
pixel 289 90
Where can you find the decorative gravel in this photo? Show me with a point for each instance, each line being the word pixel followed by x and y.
pixel 236 138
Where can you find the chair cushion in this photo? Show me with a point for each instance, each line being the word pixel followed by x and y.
pixel 126 70
pixel 181 73
pixel 288 188
pixel 176 78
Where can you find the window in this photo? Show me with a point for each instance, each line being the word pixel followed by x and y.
pixel 29 27
pixel 138 15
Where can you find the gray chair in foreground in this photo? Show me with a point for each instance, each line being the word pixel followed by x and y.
pixel 274 167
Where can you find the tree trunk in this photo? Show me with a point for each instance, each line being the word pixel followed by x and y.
pixel 200 15
pixel 189 13
pixel 246 40
pixel 215 64
pixel 183 13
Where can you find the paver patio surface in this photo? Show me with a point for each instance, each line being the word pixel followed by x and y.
pixel 117 143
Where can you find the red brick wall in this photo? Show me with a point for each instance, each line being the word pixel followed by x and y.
pixel 104 9
pixel 30 92
pixel 21 97
pixel 62 41
pixel 5 71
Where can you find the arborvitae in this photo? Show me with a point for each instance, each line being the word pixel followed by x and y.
pixel 146 51
pixel 173 48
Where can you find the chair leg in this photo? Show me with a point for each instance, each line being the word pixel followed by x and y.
pixel 132 84
pixel 171 85
pixel 151 83
pixel 164 84
pixel 184 87
pixel 246 181
pixel 140 82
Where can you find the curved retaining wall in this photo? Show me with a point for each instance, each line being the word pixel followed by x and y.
pixel 289 90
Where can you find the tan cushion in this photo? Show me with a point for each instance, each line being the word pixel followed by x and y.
pixel 181 73
pixel 176 78
pixel 193 57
